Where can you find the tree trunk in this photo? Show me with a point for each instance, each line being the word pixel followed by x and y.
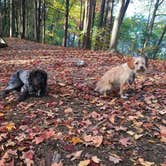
pixel 11 19
pixel 109 18
pixel 35 20
pixel 81 22
pixel 99 36
pixel 100 23
pixel 150 27
pixel 159 42
pixel 1 18
pixel 44 21
pixel 124 8
pixel 87 24
pixel 117 23
pixel 66 23
pixel 23 19
pixel 1 25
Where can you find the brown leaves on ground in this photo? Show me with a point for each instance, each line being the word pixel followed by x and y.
pixel 74 125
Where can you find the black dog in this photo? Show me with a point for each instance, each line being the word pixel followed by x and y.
pixel 28 82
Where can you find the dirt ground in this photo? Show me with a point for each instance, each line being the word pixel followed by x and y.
pixel 74 125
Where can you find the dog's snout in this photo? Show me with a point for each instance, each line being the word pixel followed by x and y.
pixel 142 68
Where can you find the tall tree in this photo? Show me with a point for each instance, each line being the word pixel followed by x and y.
pixel 88 19
pixel 37 19
pixel 117 23
pixel 11 18
pixel 66 23
pixel 0 18
pixel 23 18
pixel 159 42
pixel 109 18
pixel 151 24
pixel 99 37
pixel 82 12
pixel 44 21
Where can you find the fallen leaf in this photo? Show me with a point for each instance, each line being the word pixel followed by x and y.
pixel 10 126
pixel 1 114
pixel 125 141
pixel 93 140
pixel 75 140
pixel 162 130
pixel 68 110
pixel 28 157
pixel 115 159
pixel 84 163
pixel 145 163
pixel 96 159
pixel 137 136
pixel 75 155
pixel 45 135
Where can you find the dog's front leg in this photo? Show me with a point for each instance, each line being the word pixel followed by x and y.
pixel 122 88
pixel 24 94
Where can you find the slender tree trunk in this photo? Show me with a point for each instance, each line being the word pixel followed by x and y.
pixel 117 23
pixel 81 22
pixel 87 24
pixel 159 42
pixel 44 21
pixel 0 24
pixel 109 18
pixel 38 20
pixel 11 19
pixel 1 18
pixel 66 23
pixel 23 18
pixel 124 8
pixel 99 36
pixel 150 27
pixel 100 23
pixel 35 20
pixel 93 12
pixel 116 27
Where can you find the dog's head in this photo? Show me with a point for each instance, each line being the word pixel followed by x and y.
pixel 138 64
pixel 38 79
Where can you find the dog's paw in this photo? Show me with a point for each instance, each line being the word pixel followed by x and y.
pixel 124 96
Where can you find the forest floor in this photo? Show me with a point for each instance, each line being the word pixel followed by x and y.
pixel 74 125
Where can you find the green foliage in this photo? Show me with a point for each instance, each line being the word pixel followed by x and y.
pixel 132 35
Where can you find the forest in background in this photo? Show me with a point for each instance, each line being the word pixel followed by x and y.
pixel 87 24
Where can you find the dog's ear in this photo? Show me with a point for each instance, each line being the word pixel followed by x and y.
pixel 130 64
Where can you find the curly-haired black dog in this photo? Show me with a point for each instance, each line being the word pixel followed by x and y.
pixel 28 82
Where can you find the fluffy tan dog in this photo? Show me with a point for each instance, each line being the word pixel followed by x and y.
pixel 122 75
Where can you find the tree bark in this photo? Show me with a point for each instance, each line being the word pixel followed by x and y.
pixel 88 19
pixel 66 23
pixel 124 8
pixel 44 21
pixel 1 18
pixel 23 19
pixel 11 19
pixel 99 36
pixel 109 18
pixel 81 22
pixel 35 20
pixel 116 27
pixel 117 23
pixel 100 23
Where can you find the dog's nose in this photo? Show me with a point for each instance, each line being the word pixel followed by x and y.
pixel 142 68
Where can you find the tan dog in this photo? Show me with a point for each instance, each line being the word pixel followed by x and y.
pixel 122 75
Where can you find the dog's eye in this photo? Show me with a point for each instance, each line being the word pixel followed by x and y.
pixel 136 63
